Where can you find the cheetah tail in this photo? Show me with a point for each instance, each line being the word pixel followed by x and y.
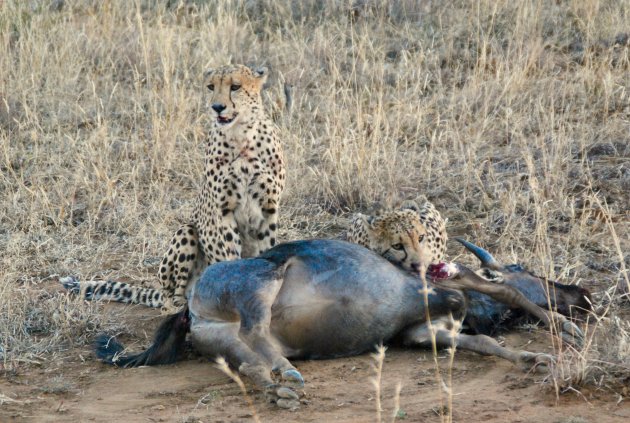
pixel 168 343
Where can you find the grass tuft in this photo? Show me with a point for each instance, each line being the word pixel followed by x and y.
pixel 511 117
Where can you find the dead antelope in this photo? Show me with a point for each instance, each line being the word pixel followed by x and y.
pixel 328 298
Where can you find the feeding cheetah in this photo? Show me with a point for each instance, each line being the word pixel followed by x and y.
pixel 236 212
pixel 407 237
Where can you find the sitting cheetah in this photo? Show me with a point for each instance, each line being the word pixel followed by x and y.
pixel 410 236
pixel 235 214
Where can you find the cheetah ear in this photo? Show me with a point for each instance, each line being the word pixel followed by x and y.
pixel 410 205
pixel 208 72
pixel 261 73
pixel 366 221
pixel 373 223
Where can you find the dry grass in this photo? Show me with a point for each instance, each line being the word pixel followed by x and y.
pixel 225 368
pixel 512 117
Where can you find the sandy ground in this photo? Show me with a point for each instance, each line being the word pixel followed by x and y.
pixel 75 388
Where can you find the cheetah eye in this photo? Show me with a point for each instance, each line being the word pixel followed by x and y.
pixel 235 87
pixel 420 239
pixel 211 87
pixel 398 247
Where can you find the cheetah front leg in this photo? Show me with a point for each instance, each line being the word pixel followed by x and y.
pixel 180 265
pixel 264 236
pixel 221 240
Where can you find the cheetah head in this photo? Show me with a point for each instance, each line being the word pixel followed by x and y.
pixel 234 93
pixel 399 236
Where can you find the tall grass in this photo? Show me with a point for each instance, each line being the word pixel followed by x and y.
pixel 512 117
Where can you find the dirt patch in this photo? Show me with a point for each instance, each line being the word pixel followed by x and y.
pixel 76 388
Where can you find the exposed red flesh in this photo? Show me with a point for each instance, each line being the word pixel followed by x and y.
pixel 440 271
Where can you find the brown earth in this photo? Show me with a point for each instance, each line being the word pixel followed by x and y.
pixel 76 388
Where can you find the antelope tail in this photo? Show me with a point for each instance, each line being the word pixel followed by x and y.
pixel 168 344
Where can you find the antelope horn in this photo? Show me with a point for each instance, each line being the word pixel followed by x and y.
pixel 485 257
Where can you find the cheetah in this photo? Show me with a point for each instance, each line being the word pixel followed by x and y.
pixel 411 236
pixel 236 212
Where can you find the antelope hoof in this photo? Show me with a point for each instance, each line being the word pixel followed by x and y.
pixel 293 378
pixel 543 362
pixel 282 396
pixel 288 404
pixel 536 362
pixel 572 334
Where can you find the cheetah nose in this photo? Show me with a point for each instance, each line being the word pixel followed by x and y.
pixel 415 267
pixel 218 107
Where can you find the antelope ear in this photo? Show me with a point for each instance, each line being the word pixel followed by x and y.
pixel 261 73
pixel 208 72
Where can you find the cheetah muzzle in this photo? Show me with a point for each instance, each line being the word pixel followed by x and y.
pixel 224 120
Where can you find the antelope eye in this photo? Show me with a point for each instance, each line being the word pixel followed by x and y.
pixel 235 87
pixel 397 247
pixel 211 87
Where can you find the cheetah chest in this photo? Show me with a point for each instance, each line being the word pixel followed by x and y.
pixel 248 200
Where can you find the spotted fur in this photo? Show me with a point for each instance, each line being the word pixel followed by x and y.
pixel 412 236
pixel 236 212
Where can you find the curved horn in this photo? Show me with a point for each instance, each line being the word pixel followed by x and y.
pixel 485 257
